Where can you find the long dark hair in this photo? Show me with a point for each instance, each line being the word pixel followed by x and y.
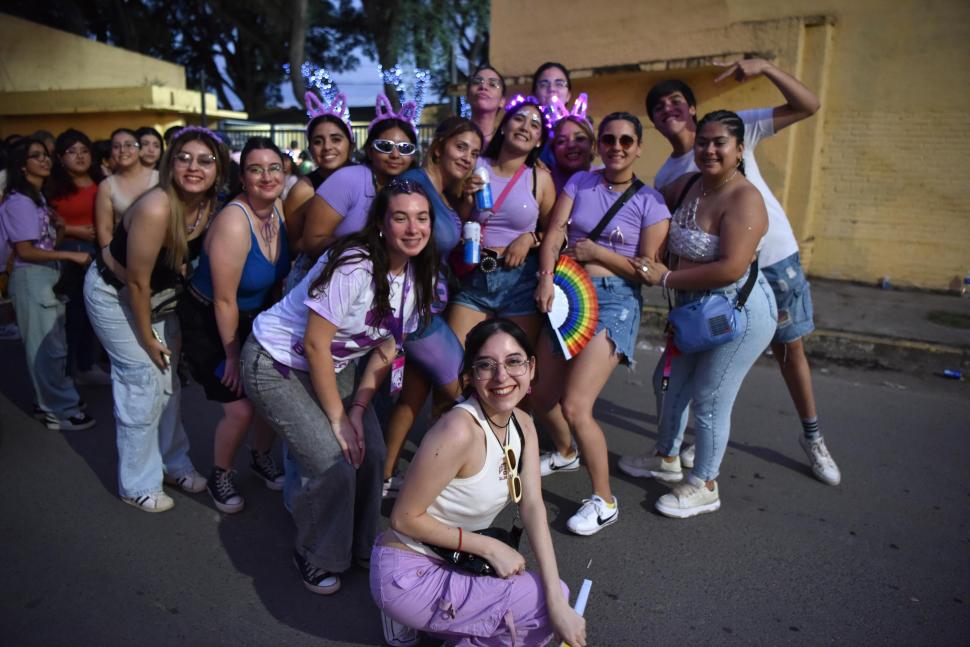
pixel 16 174
pixel 498 139
pixel 369 244
pixel 61 184
pixel 480 334
pixel 731 122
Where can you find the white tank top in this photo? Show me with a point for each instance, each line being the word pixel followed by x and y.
pixel 472 503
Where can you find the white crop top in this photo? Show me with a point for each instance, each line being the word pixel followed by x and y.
pixel 472 503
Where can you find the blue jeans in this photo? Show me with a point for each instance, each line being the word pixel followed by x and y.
pixel 709 381
pixel 506 292
pixel 147 401
pixel 794 298
pixel 40 317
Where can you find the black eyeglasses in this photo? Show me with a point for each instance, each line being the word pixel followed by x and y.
pixel 626 141
pixel 386 146
pixel 481 80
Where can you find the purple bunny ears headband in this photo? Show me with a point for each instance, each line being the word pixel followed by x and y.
pixel 520 100
pixel 323 97
pixel 556 111
pixel 384 110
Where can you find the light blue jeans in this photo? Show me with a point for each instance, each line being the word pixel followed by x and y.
pixel 709 381
pixel 150 436
pixel 40 317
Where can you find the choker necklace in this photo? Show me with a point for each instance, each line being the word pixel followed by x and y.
pixel 707 192
pixel 267 225
pixel 495 424
pixel 610 184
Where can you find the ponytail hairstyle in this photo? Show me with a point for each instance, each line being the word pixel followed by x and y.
pixel 177 244
pixel 731 122
pixel 370 244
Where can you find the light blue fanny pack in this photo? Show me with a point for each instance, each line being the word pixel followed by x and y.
pixel 712 320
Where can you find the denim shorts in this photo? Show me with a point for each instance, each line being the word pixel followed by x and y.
pixel 620 303
pixel 506 292
pixel 794 297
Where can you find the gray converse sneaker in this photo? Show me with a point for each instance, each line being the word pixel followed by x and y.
pixel 652 467
pixel 223 491
pixel 689 499
pixel 823 465
pixel 266 468
pixel 193 482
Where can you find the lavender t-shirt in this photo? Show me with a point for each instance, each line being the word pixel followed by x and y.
pixel 347 302
pixel 350 192
pixel 25 221
pixel 591 201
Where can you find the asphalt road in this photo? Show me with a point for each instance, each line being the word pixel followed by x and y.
pixel 884 559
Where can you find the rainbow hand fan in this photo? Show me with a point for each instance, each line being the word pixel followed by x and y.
pixel 575 310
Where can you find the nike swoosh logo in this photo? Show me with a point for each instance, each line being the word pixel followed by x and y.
pixel 600 520
pixel 555 468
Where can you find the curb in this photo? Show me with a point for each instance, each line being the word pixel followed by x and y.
pixel 850 348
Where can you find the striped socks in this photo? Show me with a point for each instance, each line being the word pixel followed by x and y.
pixel 810 427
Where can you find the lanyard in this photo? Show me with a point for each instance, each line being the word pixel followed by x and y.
pixel 396 324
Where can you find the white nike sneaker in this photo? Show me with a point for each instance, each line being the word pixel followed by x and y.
pixel 594 515
pixel 552 462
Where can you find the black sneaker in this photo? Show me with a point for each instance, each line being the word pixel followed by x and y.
pixel 40 414
pixel 266 468
pixel 75 423
pixel 316 579
pixel 223 491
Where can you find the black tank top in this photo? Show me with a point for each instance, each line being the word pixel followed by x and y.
pixel 316 178
pixel 162 277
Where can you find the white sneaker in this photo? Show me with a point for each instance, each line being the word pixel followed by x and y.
pixel 153 502
pixel 652 467
pixel 594 515
pixel 552 462
pixel 398 635
pixel 94 376
pixel 193 482
pixel 392 486
pixel 823 465
pixel 688 499
pixel 687 455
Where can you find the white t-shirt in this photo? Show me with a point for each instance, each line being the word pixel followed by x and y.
pixel 347 302
pixel 779 243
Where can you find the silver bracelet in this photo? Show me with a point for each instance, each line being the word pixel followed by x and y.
pixel 663 279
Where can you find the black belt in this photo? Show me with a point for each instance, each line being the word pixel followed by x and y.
pixel 105 272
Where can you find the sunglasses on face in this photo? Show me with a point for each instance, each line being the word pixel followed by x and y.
pixel 259 171
pixel 486 369
pixel 490 82
pixel 204 161
pixel 626 141
pixel 387 146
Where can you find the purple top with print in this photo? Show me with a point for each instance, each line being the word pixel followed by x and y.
pixel 591 201
pixel 350 191
pixel 25 221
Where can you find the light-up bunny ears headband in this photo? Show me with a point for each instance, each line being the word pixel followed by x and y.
pixel 329 102
pixel 556 111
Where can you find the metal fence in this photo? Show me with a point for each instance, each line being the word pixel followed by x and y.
pixel 283 136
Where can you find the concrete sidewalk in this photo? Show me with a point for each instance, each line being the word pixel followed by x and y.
pixel 860 325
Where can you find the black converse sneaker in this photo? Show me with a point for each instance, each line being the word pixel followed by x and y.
pixel 316 579
pixel 266 468
pixel 223 491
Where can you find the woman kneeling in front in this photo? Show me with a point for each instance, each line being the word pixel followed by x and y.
pixel 461 478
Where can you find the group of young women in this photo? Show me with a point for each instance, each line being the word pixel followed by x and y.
pixel 375 292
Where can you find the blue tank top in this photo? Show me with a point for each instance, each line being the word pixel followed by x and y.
pixel 259 275
pixel 447 224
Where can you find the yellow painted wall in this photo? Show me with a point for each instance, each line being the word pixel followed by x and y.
pixel 874 184
pixel 35 57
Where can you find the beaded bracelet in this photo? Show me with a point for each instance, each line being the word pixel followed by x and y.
pixel 542 273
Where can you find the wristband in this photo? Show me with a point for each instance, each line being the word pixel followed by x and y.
pixel 663 279
pixel 359 404
pixel 542 273
pixel 459 539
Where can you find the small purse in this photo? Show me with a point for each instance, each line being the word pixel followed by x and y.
pixel 712 320
pixel 476 564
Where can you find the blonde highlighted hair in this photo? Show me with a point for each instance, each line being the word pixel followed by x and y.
pixel 177 239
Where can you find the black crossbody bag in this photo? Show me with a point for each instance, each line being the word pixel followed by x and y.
pixel 476 564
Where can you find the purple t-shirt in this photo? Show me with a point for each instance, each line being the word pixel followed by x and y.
pixel 25 221
pixel 517 214
pixel 591 201
pixel 347 302
pixel 350 191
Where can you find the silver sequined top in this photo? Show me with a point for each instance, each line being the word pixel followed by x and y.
pixel 689 241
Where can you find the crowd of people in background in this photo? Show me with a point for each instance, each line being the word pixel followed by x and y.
pixel 298 301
